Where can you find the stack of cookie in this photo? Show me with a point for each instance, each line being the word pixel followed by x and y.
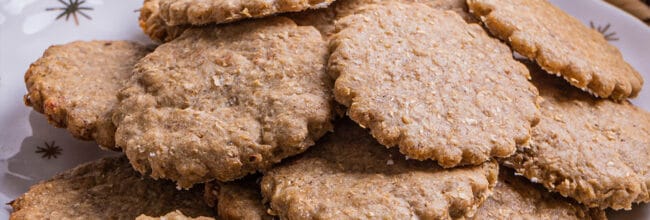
pixel 353 109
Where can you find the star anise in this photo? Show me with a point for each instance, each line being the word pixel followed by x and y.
pixel 610 36
pixel 72 7
pixel 50 150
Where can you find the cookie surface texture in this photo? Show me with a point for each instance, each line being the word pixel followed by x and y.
pixel 349 175
pixel 596 151
pixel 438 89
pixel 223 102
pixel 515 197
pixel 561 44
pixel 76 84
pixel 347 7
pixel 106 189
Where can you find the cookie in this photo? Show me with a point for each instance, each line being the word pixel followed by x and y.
pixel 438 88
pixel 350 176
pixel 106 189
pixel 593 150
pixel 223 102
pixel 200 12
pixel 515 197
pixel 154 26
pixel 175 215
pixel 75 85
pixel 322 19
pixel 239 199
pixel 561 44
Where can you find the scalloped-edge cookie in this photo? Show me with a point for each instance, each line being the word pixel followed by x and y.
pixel 561 45
pixel 437 88
pixel 348 175
pixel 106 189
pixel 76 84
pixel 596 151
pixel 225 101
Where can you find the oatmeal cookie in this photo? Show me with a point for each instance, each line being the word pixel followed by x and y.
pixel 438 88
pixel 561 44
pixel 76 84
pixel 223 102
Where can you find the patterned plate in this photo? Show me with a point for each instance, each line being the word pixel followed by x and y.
pixel 31 150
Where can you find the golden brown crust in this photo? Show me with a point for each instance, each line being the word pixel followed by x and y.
pixel 561 44
pixel 437 88
pixel 223 102
pixel 515 197
pixel 240 199
pixel 154 26
pixel 593 150
pixel 75 85
pixel 350 176
pixel 106 189
pixel 200 12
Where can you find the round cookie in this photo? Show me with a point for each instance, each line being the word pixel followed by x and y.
pixel 106 189
pixel 75 85
pixel 561 44
pixel 223 102
pixel 240 199
pixel 200 12
pixel 438 88
pixel 593 150
pixel 514 197
pixel 350 176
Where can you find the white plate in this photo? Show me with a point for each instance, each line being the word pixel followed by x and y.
pixel 27 29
